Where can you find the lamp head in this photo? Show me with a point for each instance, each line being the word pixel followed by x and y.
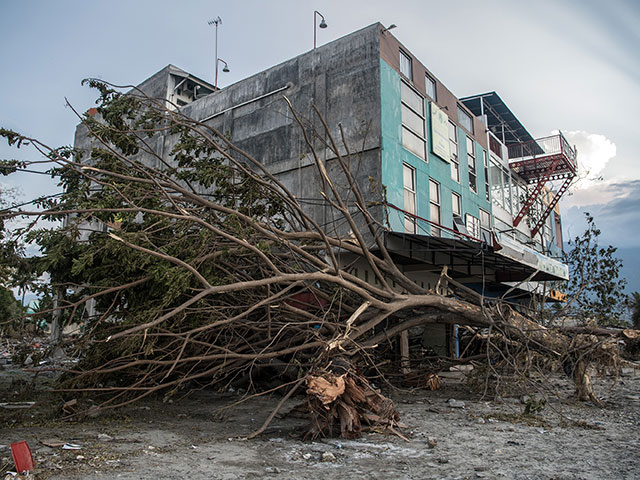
pixel 323 24
pixel 225 69
pixel 390 27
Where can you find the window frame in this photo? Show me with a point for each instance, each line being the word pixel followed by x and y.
pixel 456 201
pixel 471 164
pixel 485 226
pixel 487 188
pixel 407 129
pixel 464 115
pixel 437 204
pixel 473 226
pixel 409 60
pixel 455 160
pixel 429 80
pixel 411 190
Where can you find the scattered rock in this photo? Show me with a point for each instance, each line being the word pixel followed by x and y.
pixel 307 456
pixel 272 470
pixel 103 437
pixel 481 421
pixel 443 460
pixel 453 403
pixel 328 457
pixel 432 442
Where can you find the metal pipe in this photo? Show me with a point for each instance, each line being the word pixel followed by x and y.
pixel 245 103
pixel 323 24
pixel 217 21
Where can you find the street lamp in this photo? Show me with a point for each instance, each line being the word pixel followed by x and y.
pixel 217 22
pixel 323 24
pixel 225 69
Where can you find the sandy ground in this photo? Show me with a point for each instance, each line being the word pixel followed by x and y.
pixel 190 439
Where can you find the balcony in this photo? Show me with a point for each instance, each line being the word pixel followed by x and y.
pixel 549 157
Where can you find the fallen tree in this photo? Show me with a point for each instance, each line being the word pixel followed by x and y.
pixel 200 267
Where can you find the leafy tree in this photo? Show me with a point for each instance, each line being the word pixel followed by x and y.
pixel 9 254
pixel 9 306
pixel 595 289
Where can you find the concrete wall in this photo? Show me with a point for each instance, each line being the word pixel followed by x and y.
pixel 342 80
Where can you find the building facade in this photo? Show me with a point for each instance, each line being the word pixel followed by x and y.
pixel 456 182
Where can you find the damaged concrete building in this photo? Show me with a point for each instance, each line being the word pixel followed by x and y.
pixel 465 184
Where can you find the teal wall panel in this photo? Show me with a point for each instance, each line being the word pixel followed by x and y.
pixel 394 155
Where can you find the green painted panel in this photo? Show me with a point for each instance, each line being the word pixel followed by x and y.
pixel 394 155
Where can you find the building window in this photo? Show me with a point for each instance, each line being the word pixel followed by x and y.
pixel 485 163
pixel 431 87
pixel 471 161
pixel 473 226
pixel 434 207
pixel 405 65
pixel 485 226
pixel 456 204
pixel 465 119
pixel 453 148
pixel 456 208
pixel 413 121
pixel 409 183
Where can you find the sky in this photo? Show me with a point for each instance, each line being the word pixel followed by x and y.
pixel 568 65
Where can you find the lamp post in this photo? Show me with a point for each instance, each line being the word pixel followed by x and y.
pixel 226 66
pixel 217 22
pixel 323 24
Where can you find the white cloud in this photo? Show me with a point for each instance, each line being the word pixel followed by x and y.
pixel 594 152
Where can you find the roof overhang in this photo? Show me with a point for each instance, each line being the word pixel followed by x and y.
pixel 498 116
pixel 511 263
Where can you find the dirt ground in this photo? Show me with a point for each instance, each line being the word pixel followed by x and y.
pixel 191 439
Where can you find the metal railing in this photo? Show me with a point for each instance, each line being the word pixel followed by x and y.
pixel 434 225
pixel 495 145
pixel 551 145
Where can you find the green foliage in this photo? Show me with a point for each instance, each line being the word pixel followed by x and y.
pixel 595 287
pixel 183 205
pixel 9 306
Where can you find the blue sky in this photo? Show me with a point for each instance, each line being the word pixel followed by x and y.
pixel 567 65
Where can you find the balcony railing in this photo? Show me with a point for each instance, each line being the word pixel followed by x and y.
pixel 544 147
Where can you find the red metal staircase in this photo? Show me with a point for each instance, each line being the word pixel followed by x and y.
pixel 539 161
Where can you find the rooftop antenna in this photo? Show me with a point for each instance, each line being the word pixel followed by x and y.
pixel 217 22
pixel 323 24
